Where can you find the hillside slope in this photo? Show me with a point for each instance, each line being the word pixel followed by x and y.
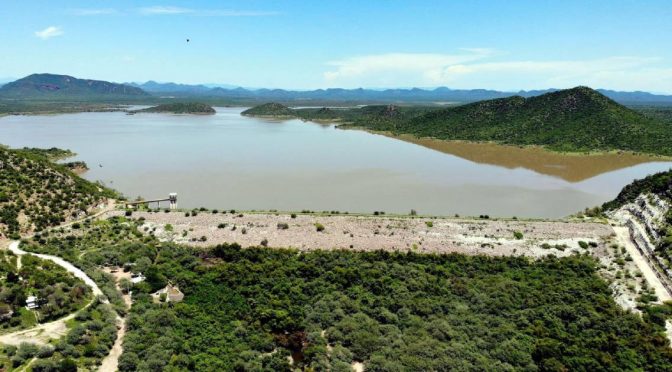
pixel 572 120
pixel 180 108
pixel 41 86
pixel 578 119
pixel 270 110
pixel 645 208
pixel 36 193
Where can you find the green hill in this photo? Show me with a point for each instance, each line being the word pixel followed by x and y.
pixel 579 119
pixel 51 86
pixel 36 193
pixel 180 108
pixel 270 110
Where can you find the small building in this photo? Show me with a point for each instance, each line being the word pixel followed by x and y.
pixel 137 278
pixel 172 293
pixel 31 303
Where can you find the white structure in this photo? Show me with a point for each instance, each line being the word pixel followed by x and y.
pixel 172 294
pixel 31 303
pixel 137 278
pixel 172 198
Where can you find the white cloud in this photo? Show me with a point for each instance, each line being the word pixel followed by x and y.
pixel 483 68
pixel 49 32
pixel 92 12
pixel 424 65
pixel 173 10
pixel 161 10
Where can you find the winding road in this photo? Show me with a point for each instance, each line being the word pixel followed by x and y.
pixel 41 334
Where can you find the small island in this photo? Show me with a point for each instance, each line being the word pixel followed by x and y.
pixel 191 108
pixel 271 110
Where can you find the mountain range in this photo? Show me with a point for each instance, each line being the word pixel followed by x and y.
pixel 44 86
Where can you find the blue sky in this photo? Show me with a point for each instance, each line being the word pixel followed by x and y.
pixel 495 44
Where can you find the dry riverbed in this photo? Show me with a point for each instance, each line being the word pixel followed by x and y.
pixel 365 233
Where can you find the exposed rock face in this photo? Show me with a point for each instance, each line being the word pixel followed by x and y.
pixel 645 219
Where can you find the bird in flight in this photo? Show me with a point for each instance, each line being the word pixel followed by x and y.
pixel 188 40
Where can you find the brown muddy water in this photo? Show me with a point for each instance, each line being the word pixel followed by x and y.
pixel 229 161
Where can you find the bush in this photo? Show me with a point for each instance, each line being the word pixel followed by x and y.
pixel 45 351
pixel 283 226
pixel 221 226
pixel 319 227
pixel 583 244
pixel 264 242
pixel 517 235
pixel 293 215
pixel 128 213
pixel 429 223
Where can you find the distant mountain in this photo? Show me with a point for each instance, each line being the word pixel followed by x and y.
pixel 55 86
pixel 45 86
pixel 417 95
pixel 154 87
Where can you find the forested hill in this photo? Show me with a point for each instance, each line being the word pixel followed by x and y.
pixel 576 120
pixel 270 109
pixel 51 86
pixel 36 193
pixel 180 108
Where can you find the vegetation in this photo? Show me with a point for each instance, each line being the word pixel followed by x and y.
pixel 249 309
pixel 180 108
pixel 578 119
pixel 36 193
pixel 659 184
pixel 572 120
pixel 58 292
pixel 270 109
pixel 52 154
pixel 89 339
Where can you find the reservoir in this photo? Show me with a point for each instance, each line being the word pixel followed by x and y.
pixel 228 161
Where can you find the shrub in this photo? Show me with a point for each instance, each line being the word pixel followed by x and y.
pixel 429 223
pixel 45 351
pixel 517 235
pixel 319 227
pixel 128 213
pixel 583 244
pixel 221 226
pixel 264 242
pixel 413 212
pixel 293 215
pixel 283 226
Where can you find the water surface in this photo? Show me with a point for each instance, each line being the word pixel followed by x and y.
pixel 229 161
